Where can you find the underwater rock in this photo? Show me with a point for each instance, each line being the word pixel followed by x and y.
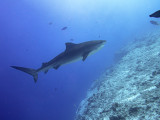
pixel 114 106
pixel 129 90
pixel 119 54
pixel 133 110
pixel 154 73
pixel 116 118
pixel 158 85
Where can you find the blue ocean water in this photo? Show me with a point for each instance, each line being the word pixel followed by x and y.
pixel 30 34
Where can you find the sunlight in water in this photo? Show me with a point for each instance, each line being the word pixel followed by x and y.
pixel 87 7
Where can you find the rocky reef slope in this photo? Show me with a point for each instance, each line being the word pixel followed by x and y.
pixel 130 90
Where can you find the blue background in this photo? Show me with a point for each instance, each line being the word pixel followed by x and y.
pixel 27 39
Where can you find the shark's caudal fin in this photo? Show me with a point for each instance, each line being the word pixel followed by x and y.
pixel 30 71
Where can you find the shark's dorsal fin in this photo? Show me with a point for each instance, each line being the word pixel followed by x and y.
pixel 69 45
pixel 44 64
pixel 85 55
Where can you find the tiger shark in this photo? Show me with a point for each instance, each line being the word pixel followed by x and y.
pixel 72 53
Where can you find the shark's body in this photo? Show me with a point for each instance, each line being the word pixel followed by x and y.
pixel 72 53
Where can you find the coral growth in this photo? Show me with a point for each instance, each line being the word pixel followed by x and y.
pixel 132 90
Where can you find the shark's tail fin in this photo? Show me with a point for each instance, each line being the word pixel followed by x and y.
pixel 30 71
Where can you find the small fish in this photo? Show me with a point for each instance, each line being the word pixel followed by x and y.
pixel 64 28
pixel 26 50
pixel 71 39
pixel 155 14
pixel 55 89
pixel 50 23
pixel 154 22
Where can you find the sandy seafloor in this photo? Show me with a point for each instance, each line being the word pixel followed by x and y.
pixel 130 89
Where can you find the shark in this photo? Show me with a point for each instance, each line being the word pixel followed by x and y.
pixel 72 53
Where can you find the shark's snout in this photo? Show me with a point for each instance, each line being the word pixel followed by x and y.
pixel 102 41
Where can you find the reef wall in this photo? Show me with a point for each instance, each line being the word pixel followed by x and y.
pixel 130 90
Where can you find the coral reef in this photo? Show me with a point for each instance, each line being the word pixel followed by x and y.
pixel 130 90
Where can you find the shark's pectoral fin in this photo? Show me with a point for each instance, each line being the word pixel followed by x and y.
pixel 85 55
pixel 56 67
pixel 45 71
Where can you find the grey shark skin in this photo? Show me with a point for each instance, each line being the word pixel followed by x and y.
pixel 72 53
